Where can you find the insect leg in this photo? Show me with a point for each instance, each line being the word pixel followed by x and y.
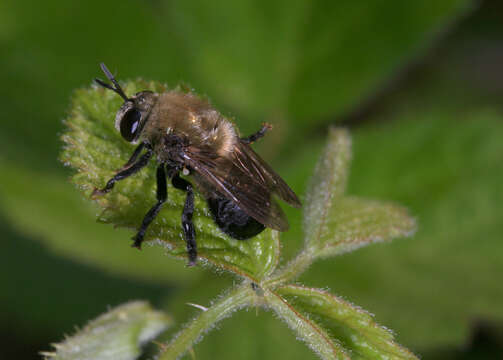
pixel 188 227
pixel 133 157
pixel 122 174
pixel 254 137
pixel 162 195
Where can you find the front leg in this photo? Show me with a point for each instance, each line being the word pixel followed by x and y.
pixel 162 195
pixel 122 174
pixel 133 157
pixel 188 210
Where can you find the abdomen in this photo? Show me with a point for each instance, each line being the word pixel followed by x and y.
pixel 232 220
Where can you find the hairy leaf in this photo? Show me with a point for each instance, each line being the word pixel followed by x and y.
pixel 332 328
pixel 115 335
pixel 354 328
pixel 335 223
pixel 95 149
pixel 327 184
pixel 446 166
pixel 355 222
pixel 307 330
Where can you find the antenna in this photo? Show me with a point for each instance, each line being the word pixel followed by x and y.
pixel 110 77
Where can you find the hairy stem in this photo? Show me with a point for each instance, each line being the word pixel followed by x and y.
pixel 206 320
pixel 292 270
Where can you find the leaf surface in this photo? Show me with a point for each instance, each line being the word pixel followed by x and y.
pixel 115 335
pixel 95 149
pixel 345 323
pixel 335 223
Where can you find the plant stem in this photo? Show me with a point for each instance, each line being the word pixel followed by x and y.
pixel 206 320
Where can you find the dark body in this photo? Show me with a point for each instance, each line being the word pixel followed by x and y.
pixel 186 134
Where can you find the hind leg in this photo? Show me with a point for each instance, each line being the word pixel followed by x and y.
pixel 254 137
pixel 188 210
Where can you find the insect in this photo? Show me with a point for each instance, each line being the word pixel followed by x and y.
pixel 187 135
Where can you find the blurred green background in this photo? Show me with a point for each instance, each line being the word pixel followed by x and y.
pixel 418 83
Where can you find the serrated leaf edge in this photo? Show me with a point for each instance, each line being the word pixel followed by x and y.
pixel 356 308
pixel 336 349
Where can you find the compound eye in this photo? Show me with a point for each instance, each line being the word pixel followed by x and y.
pixel 130 125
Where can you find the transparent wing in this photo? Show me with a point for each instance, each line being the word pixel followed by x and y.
pixel 247 180
pixel 267 175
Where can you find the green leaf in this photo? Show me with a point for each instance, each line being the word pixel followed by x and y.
pixel 327 184
pixel 95 149
pixel 355 222
pixel 307 330
pixel 115 335
pixel 448 171
pixel 300 62
pixel 306 61
pixel 334 223
pixel 445 167
pixel 344 323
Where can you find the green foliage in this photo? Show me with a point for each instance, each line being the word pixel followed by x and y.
pixel 91 147
pixel 443 165
pixel 115 335
pixel 299 65
pixel 446 170
pixel 303 60
pixel 334 223
pixel 352 326
pixel 74 233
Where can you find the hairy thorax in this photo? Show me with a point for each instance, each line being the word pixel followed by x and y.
pixel 179 120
